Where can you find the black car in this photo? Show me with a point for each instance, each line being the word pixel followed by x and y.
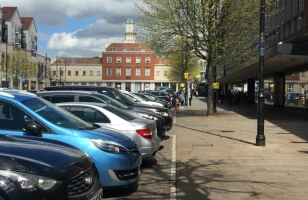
pixel 39 168
pixel 93 96
pixel 159 94
pixel 116 94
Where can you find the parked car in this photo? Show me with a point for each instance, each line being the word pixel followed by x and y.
pixel 116 94
pixel 138 99
pixel 151 97
pixel 93 96
pixel 115 155
pixel 38 168
pixel 142 131
pixel 159 94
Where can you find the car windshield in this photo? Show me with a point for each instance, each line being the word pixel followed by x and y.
pixel 124 115
pixel 56 115
pixel 128 101
pixel 150 97
pixel 113 102
pixel 141 97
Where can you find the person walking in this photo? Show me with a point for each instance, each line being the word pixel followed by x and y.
pixel 182 99
pixel 196 93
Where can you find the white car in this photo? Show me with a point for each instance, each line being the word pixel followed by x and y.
pixel 142 131
pixel 140 100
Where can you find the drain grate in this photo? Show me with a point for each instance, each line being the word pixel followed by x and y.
pixel 202 145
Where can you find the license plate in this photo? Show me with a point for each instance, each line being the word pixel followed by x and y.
pixel 98 195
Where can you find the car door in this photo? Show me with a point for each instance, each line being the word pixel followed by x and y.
pixel 13 120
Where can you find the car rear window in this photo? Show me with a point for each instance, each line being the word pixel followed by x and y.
pixel 124 115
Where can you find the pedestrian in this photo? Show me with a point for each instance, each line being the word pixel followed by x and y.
pixel 196 93
pixel 182 98
pixel 174 99
pixel 230 98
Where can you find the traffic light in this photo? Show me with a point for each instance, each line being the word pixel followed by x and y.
pixel 4 32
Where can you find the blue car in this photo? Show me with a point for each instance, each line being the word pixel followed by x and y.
pixel 115 155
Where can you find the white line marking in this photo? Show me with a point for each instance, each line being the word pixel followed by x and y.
pixel 174 118
pixel 173 170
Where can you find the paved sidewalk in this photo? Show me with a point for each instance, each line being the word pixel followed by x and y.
pixel 217 157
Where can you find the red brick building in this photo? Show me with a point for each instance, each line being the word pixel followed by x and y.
pixel 129 65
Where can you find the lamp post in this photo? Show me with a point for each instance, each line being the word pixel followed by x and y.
pixel 260 139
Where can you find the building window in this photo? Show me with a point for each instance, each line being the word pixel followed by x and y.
pixel 61 72
pixel 69 73
pixel 147 60
pixel 118 59
pixel 84 73
pixel 124 49
pixel 76 73
pixel 165 73
pixel 147 71
pixel 113 49
pixel 54 72
pixel 133 49
pixel 157 73
pixel 290 87
pixel 138 59
pixel 128 60
pixel 98 73
pixel 109 59
pixel 142 50
pixel 303 74
pixel 109 71
pixel 118 71
pixel 91 73
pixel 128 71
pixel 138 71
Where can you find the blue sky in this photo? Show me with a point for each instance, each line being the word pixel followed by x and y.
pixel 75 27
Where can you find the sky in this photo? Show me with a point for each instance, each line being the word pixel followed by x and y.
pixel 76 28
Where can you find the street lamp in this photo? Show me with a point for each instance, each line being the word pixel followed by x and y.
pixel 260 139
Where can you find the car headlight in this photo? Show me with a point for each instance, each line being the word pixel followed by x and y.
pixel 109 146
pixel 164 114
pixel 147 116
pixel 29 181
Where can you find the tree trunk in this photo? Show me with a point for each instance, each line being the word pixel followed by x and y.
pixel 209 72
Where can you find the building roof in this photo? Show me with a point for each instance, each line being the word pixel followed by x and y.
pixel 129 20
pixel 8 12
pixel 26 22
pixel 120 46
pixel 78 61
pixel 161 61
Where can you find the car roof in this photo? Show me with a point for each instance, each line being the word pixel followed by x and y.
pixel 83 103
pixel 19 96
pixel 68 91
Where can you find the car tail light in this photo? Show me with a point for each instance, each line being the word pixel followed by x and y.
pixel 145 133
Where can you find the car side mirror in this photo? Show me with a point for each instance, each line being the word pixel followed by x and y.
pixel 33 128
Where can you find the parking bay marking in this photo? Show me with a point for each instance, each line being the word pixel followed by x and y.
pixel 173 170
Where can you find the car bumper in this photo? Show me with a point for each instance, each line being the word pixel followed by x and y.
pixel 117 169
pixel 168 122
pixel 149 147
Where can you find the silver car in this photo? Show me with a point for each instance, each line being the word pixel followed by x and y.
pixel 143 131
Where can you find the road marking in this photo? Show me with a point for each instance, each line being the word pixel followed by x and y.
pixel 174 117
pixel 173 170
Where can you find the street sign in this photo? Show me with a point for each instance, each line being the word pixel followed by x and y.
pixel 198 76
pixel 215 86
pixel 182 85
pixel 186 75
pixel 272 85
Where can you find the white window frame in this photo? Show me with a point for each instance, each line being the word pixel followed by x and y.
pixel 76 73
pixel 69 73
pixel 133 49
pixel 84 73
pixel 109 69
pixel 113 49
pixel 98 73
pixel 147 71
pixel 142 50
pixel 128 71
pixel 118 74
pixel 109 59
pixel 165 73
pixel 91 73
pixel 290 87
pixel 124 49
pixel 119 59
pixel 157 73
pixel 138 71
pixel 147 59
pixel 128 59
pixel 138 60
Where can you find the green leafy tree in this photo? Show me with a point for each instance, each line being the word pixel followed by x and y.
pixel 220 32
